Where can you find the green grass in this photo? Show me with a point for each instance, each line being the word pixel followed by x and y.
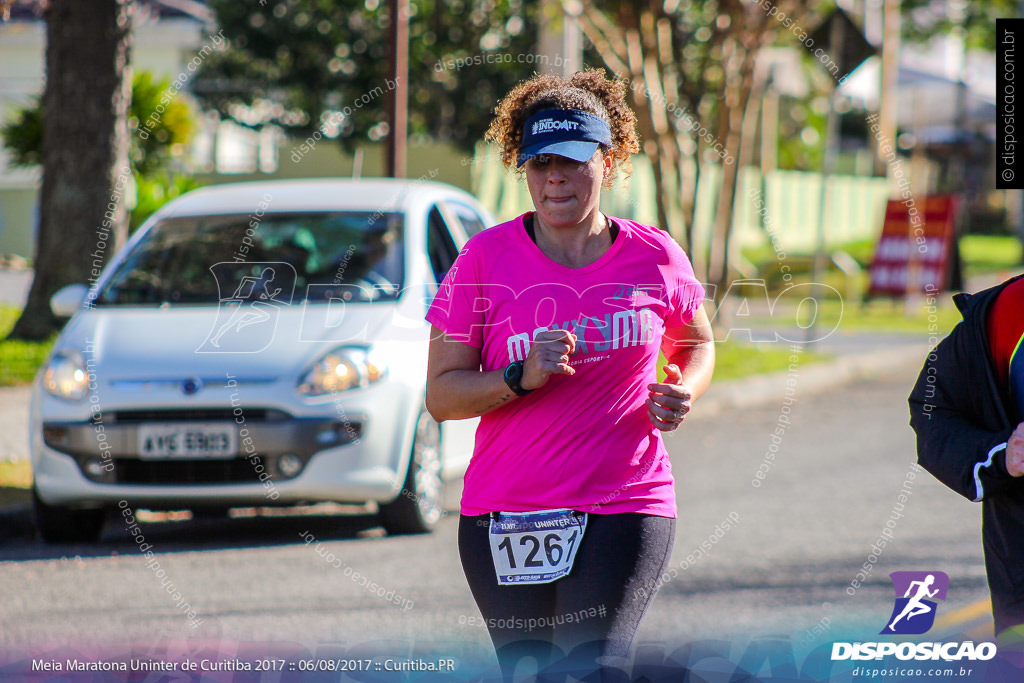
pixel 980 253
pixel 734 360
pixel 15 483
pixel 17 474
pixel 764 256
pixel 786 310
pixel 986 253
pixel 883 316
pixel 19 360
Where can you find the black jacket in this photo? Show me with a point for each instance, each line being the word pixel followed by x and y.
pixel 963 420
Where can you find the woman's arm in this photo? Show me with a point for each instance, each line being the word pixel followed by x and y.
pixel 691 348
pixel 690 351
pixel 457 388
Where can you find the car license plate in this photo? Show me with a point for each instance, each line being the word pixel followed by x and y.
pixel 167 441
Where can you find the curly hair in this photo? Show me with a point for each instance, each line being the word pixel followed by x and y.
pixel 588 91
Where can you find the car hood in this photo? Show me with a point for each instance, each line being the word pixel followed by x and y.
pixel 179 342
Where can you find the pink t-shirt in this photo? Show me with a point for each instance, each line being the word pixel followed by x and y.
pixel 581 441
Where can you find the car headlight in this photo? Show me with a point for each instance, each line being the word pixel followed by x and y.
pixel 341 370
pixel 66 376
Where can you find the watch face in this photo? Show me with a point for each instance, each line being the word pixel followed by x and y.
pixel 510 371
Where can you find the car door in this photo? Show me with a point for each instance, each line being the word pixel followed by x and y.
pixel 466 217
pixel 443 246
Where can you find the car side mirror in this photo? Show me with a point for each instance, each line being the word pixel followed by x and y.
pixel 67 300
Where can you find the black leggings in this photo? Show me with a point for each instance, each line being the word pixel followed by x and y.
pixel 598 606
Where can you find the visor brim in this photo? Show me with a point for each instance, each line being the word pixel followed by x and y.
pixel 577 150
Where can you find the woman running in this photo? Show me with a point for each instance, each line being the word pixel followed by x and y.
pixel 548 327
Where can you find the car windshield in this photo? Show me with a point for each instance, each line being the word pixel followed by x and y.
pixel 286 257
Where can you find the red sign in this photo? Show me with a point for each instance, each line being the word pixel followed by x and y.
pixel 915 250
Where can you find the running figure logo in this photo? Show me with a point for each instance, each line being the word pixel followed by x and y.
pixel 916 592
pixel 247 315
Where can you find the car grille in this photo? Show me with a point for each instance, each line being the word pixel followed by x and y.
pixel 194 415
pixel 164 472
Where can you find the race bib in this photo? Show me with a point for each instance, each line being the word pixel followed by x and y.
pixel 535 547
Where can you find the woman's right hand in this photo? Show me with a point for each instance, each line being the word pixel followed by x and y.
pixel 549 355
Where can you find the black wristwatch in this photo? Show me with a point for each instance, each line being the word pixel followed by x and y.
pixel 513 377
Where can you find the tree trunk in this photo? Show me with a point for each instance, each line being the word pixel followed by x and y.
pixel 689 180
pixel 646 42
pixel 730 124
pixel 85 152
pixel 736 120
pixel 636 46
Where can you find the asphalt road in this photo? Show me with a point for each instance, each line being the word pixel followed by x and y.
pixel 784 567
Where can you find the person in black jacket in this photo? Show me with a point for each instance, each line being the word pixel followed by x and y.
pixel 966 409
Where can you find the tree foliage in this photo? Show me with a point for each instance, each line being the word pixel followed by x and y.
pixel 690 68
pixel 154 153
pixel 309 65
pixel 171 129
pixel 154 156
pixel 23 135
pixel 924 19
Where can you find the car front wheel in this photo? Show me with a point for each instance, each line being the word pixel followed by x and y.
pixel 420 505
pixel 57 524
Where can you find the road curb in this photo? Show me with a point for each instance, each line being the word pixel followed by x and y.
pixel 810 378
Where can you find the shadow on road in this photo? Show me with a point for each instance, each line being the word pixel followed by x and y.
pixel 256 528
pixel 807 583
pixel 18 541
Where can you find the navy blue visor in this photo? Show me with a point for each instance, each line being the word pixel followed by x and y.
pixel 566 132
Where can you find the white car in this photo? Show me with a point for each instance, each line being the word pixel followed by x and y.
pixel 256 344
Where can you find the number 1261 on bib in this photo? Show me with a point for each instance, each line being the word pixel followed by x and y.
pixel 535 547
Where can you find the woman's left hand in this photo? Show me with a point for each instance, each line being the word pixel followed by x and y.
pixel 669 401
